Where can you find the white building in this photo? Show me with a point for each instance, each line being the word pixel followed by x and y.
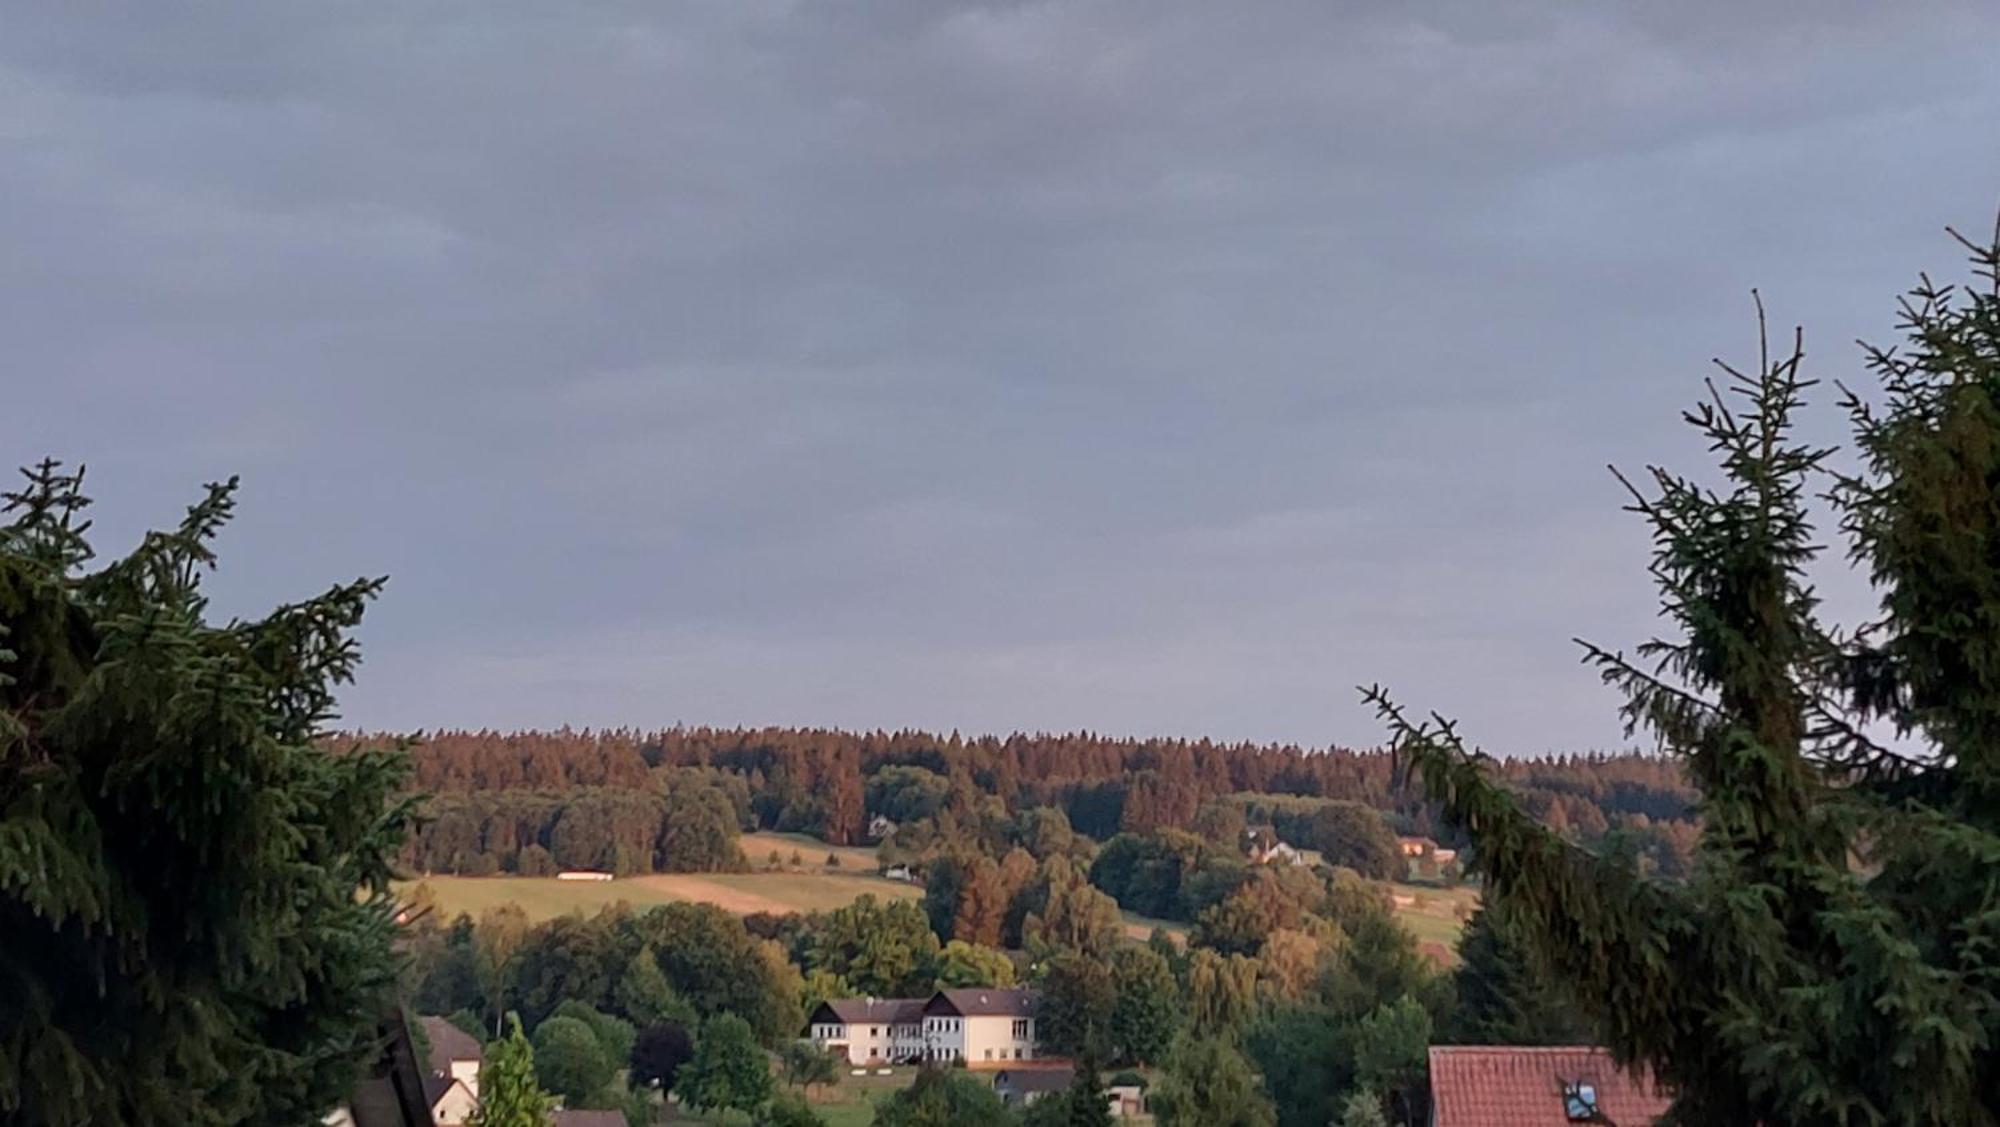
pixel 979 1026
pixel 451 1081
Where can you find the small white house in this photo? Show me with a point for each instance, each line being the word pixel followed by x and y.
pixel 451 1081
pixel 582 874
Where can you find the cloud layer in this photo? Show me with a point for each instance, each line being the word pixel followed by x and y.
pixel 1146 367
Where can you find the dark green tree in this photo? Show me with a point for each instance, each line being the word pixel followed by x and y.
pixel 1207 1083
pixel 1148 1009
pixel 1078 998
pixel 789 1110
pixel 658 1053
pixel 806 1064
pixel 1503 998
pixel 729 1072
pixel 882 949
pixel 194 889
pixel 943 1097
pixel 570 1061
pixel 1832 959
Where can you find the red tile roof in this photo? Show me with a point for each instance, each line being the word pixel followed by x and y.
pixel 1514 1086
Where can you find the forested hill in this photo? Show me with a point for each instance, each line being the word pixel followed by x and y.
pixel 829 783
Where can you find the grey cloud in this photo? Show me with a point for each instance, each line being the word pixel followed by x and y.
pixel 1149 367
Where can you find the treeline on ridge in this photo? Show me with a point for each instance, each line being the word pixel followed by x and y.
pixel 629 801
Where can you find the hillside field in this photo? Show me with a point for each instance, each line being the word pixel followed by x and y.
pixel 1432 914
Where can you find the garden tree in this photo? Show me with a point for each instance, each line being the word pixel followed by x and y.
pixel 508 1093
pixel 944 884
pixel 1078 994
pixel 1076 916
pixel 658 1052
pixel 570 1062
pixel 644 995
pixel 1024 892
pixel 193 888
pixel 567 958
pixel 1391 1056
pixel 1362 1109
pixel 943 1097
pixel 789 1110
pixel 728 1071
pixel 881 949
pixel 1220 823
pixel 1239 925
pixel 498 935
pixel 969 964
pixel 614 1035
pixel 710 959
pixel 441 974
pixel 1207 1083
pixel 807 1064
pixel 1221 992
pixel 1147 873
pixel 1354 836
pixel 1147 1011
pixel 1502 998
pixel 1082 1104
pixel 1288 966
pixel 1832 957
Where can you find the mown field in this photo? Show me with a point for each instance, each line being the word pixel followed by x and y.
pixel 742 893
pixel 1434 915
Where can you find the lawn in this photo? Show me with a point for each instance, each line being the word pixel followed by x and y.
pixel 1433 914
pixel 848 1103
pixel 742 893
pixel 812 852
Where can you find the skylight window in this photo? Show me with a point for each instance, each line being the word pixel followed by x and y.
pixel 1580 1102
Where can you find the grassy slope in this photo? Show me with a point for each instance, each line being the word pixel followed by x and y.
pixel 1432 916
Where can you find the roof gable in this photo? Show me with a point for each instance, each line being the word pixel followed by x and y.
pixel 978 1001
pixel 449 1043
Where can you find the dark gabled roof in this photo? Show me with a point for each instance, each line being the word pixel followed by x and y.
pixel 449 1043
pixel 868 1011
pixel 1025 1080
pixel 390 1091
pixel 985 1001
pixel 1516 1086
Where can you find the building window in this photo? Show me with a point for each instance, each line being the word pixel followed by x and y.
pixel 1021 1029
pixel 989 1054
pixel 874 1031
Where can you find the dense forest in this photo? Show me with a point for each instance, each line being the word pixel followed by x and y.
pixel 531 802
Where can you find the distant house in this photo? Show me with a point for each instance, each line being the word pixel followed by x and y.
pixel 899 872
pixel 981 1025
pixel 1263 846
pixel 1416 846
pixel 451 1079
pixel 880 827
pixel 1444 856
pixel 1021 1087
pixel 870 1030
pixel 973 1026
pixel 1515 1086
pixel 582 874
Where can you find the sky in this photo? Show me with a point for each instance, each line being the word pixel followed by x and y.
pixel 1149 367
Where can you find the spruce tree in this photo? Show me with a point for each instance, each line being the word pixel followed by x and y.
pixel 195 920
pixel 1835 956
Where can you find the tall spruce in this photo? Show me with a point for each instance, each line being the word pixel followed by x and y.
pixel 1835 956
pixel 194 893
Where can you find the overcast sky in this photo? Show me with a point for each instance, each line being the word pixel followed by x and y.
pixel 1155 368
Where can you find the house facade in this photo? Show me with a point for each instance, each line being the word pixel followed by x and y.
pixel 451 1081
pixel 978 1026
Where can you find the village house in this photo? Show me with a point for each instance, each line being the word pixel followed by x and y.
pixel 1509 1085
pixel 976 1026
pixel 1263 846
pixel 451 1074
pixel 1024 1086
